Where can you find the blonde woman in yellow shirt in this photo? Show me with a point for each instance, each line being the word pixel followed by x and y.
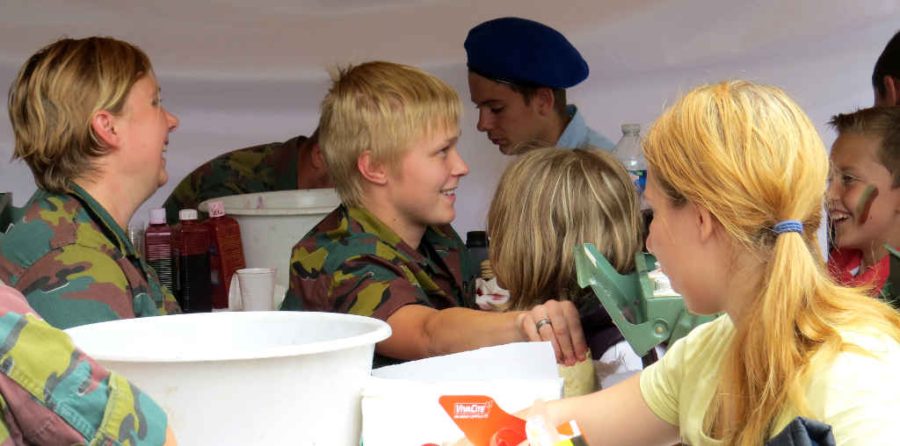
pixel 737 175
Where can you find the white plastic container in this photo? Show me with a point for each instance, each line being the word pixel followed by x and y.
pixel 246 378
pixel 273 222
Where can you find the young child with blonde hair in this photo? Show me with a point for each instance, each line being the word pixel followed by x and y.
pixel 547 202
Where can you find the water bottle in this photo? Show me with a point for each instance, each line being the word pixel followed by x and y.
pixel 158 248
pixel 628 151
pixel 192 278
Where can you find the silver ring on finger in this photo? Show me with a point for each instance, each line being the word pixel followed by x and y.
pixel 542 322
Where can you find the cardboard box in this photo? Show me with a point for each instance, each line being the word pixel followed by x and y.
pixel 400 404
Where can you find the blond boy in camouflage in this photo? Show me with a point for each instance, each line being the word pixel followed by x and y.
pixel 389 134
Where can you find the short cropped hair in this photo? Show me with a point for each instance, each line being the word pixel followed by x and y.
pixel 384 108
pixel 528 92
pixel 55 96
pixel 879 122
pixel 888 64
pixel 547 202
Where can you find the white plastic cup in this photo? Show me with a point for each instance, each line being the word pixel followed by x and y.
pixel 257 286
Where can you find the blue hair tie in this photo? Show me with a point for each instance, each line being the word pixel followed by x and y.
pixel 787 226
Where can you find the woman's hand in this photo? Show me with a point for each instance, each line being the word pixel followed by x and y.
pixel 557 322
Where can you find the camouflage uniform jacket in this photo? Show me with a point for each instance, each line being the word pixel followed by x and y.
pixel 75 265
pixel 264 168
pixel 51 393
pixel 351 262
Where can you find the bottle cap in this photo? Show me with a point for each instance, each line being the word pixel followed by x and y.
pixel 157 216
pixel 216 208
pixel 631 128
pixel 187 214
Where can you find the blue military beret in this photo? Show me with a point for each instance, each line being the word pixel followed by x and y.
pixel 524 52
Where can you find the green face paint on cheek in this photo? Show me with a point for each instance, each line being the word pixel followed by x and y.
pixel 865 204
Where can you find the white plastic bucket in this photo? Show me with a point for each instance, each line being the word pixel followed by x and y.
pixel 273 222
pixel 246 378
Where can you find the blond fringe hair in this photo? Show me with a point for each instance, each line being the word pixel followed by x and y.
pixel 750 155
pixel 547 202
pixel 384 108
pixel 55 96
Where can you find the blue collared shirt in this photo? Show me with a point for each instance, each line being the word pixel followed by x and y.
pixel 578 135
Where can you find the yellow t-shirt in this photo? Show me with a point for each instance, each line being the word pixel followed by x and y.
pixel 859 395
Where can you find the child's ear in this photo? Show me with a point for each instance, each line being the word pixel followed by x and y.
pixel 372 170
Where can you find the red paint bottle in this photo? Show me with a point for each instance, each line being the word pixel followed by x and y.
pixel 226 252
pixel 192 278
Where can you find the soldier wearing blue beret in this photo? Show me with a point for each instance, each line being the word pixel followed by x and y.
pixel 519 70
pixel 886 75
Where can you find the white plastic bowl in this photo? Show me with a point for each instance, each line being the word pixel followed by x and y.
pixel 273 222
pixel 246 378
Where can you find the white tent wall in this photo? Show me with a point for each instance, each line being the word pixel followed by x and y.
pixel 260 79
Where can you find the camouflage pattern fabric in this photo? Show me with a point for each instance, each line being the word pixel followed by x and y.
pixel 351 262
pixel 264 168
pixel 75 265
pixel 51 393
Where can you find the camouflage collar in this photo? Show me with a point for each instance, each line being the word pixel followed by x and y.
pixel 115 233
pixel 436 237
pixel 371 224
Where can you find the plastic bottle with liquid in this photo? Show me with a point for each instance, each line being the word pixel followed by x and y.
pixel 158 248
pixel 628 151
pixel 192 277
pixel 226 252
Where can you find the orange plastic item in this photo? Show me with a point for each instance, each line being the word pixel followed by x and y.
pixel 482 421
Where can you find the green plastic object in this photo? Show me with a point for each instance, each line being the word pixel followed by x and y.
pixel 645 320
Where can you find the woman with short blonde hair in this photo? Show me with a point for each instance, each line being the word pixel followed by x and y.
pixel 88 121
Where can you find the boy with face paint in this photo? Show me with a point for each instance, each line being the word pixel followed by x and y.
pixel 864 199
